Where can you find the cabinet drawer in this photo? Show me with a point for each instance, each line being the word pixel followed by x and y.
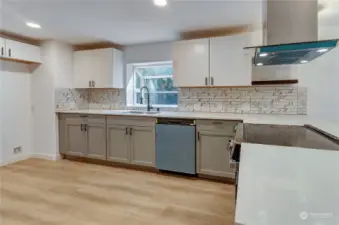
pixel 84 117
pixel 63 116
pixel 96 119
pixel 131 121
pixel 228 127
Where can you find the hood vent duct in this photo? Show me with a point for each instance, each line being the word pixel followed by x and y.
pixel 291 34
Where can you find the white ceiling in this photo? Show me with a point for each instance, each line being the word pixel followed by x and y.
pixel 124 21
pixel 129 22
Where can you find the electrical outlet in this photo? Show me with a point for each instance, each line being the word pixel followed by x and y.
pixel 17 150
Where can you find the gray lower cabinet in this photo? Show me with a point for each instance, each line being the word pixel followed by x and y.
pixel 83 136
pixel 96 140
pixel 75 137
pixel 131 140
pixel 213 157
pixel 117 143
pixel 131 144
pixel 142 146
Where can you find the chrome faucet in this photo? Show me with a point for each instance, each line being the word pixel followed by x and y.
pixel 149 107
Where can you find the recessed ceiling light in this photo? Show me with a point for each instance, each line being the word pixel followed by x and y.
pixel 260 64
pixel 303 61
pixel 160 3
pixel 322 50
pixel 263 54
pixel 33 25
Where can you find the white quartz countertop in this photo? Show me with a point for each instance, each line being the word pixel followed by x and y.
pixel 299 120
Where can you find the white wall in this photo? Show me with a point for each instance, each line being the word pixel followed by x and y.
pixel 16 112
pixel 321 77
pixel 62 65
pixel 148 53
pixel 328 32
pixel 55 72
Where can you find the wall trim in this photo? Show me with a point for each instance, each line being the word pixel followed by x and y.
pixel 215 32
pixel 45 156
pixel 97 45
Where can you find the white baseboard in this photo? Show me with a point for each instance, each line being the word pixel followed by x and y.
pixel 45 156
pixel 15 159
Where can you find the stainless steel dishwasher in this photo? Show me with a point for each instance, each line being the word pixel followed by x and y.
pixel 175 145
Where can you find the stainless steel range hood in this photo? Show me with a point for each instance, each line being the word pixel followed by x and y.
pixel 291 34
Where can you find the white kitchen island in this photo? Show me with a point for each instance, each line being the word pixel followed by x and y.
pixel 287 186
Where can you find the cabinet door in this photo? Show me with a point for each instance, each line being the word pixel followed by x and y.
pixel 82 68
pixel 213 155
pixel 102 60
pixel 76 137
pixel 117 144
pixel 2 47
pixel 191 63
pixel 230 65
pixel 142 144
pixel 96 140
pixel 22 51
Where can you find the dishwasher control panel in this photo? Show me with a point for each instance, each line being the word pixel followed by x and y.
pixel 182 122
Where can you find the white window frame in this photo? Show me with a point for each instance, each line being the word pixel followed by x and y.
pixel 135 90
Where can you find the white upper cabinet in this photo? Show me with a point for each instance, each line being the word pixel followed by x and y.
pixel 229 63
pixel 82 69
pixel 191 63
pixel 99 68
pixel 217 61
pixel 2 47
pixel 21 51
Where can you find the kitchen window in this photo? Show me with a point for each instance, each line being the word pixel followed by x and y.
pixel 158 78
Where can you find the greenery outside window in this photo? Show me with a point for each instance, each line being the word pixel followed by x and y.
pixel 158 78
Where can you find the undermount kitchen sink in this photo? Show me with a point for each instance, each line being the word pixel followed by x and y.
pixel 142 112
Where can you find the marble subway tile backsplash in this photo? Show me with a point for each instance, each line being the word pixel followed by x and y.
pixel 250 100
pixel 71 98
pixel 90 99
pixel 106 99
pixel 282 99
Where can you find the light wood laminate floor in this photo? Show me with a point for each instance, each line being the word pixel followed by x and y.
pixel 40 192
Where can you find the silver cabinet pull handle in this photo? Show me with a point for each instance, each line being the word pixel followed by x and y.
pixel 9 52
pixel 93 83
pixel 212 81
pixel 81 127
pixel 206 81
pixel 2 51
